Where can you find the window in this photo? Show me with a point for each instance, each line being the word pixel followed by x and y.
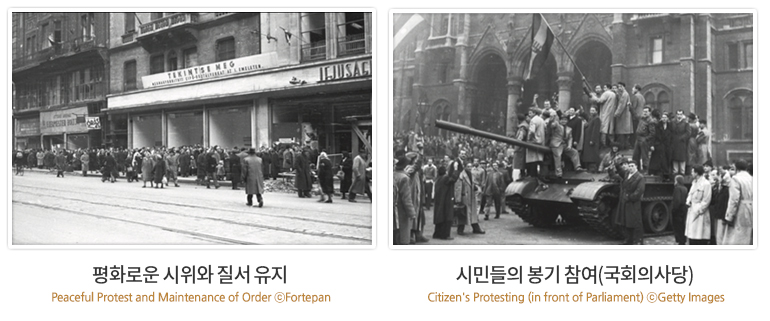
pixel 313 34
pixel 656 50
pixel 732 56
pixel 156 64
pixel 129 24
pixel 57 32
pixel 129 75
pixel 172 61
pixel 225 49
pixel 87 26
pixel 740 109
pixel 658 97
pixel 748 55
pixel 190 57
pixel 156 15
pixel 352 33
pixel 45 36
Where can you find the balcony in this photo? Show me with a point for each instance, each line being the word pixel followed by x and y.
pixel 85 44
pixel 351 45
pixel 175 29
pixel 314 51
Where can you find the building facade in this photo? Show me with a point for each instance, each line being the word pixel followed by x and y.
pixel 60 70
pixel 240 79
pixel 471 68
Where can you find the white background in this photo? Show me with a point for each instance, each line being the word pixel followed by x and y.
pixel 379 282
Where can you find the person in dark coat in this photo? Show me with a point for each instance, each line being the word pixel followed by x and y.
pixel 275 163
pixel 93 157
pixel 443 212
pixel 347 171
pixel 679 210
pixel 404 207
pixel 60 162
pixel 110 168
pixel 265 155
pixel 235 169
pixel 184 163
pixel 680 134
pixel 147 167
pixel 202 162
pixel 325 177
pixel 303 179
pixel 211 168
pixel 251 168
pixel 159 170
pixel 660 161
pixel 630 205
pixel 360 178
pixel 50 160
pixel 592 142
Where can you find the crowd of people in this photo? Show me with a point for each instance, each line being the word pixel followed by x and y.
pixel 247 167
pixel 456 171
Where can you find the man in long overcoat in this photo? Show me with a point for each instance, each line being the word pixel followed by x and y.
pixel 680 134
pixel 172 162
pixel 347 171
pixel 404 203
pixel 623 122
pixel 537 136
pixel 360 179
pixel 737 227
pixel 303 180
pixel 629 213
pixel 443 212
pixel 608 103
pixel 251 168
pixel 592 142
pixel 465 194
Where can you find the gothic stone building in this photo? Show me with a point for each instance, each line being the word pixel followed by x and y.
pixel 470 68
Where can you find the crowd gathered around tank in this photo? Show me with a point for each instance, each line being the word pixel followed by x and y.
pixel 463 177
pixel 160 167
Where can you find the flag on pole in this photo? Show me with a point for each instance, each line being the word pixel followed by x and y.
pixel 542 39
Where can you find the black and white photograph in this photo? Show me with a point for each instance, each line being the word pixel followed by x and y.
pixel 191 128
pixel 573 128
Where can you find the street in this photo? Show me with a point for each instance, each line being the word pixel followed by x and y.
pixel 78 210
pixel 509 229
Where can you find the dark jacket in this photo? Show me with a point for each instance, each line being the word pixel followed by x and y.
pixel 630 204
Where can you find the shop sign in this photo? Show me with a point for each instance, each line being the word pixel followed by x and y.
pixel 71 120
pixel 28 127
pixel 215 70
pixel 346 70
pixel 93 123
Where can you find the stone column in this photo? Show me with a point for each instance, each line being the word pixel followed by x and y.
pixel 260 131
pixel 130 131
pixel 514 93
pixel 565 90
pixel 687 63
pixel 164 128
pixel 205 127
pixel 463 101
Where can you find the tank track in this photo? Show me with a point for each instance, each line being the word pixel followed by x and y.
pixel 598 220
pixel 528 214
pixel 519 208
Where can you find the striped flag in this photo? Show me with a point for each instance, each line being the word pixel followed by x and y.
pixel 542 39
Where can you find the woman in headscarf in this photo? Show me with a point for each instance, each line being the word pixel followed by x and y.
pixel 325 177
pixel 159 170
pixel 147 167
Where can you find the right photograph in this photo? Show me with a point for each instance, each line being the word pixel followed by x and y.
pixel 573 128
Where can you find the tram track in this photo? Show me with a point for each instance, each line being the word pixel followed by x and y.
pixel 306 232
pixel 203 207
pixel 202 236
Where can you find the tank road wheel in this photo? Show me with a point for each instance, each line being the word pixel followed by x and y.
pixel 540 216
pixel 598 214
pixel 655 217
pixel 517 205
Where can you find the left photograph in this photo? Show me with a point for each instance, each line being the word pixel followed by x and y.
pixel 192 128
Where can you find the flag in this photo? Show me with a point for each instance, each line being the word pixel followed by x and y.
pixel 542 39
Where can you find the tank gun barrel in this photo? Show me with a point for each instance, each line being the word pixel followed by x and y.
pixel 480 133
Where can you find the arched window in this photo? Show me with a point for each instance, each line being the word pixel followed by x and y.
pixel 442 110
pixel 658 97
pixel 740 114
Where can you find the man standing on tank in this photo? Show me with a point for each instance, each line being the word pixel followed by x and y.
pixel 630 204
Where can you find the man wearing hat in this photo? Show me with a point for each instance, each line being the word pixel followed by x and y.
pixel 303 180
pixel 630 204
pixel 251 168
pixel 405 209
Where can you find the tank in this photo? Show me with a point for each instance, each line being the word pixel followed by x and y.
pixel 578 197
